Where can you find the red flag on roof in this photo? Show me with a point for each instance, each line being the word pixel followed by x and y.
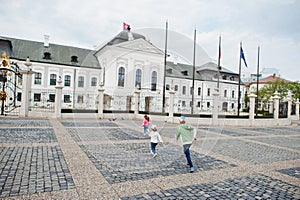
pixel 126 27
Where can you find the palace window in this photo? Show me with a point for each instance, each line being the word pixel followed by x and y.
pixel 199 91
pixel 80 81
pixel 183 90
pixel 67 80
pixel 52 79
pixel 153 81
pixel 74 59
pixel 138 78
pixel 67 99
pixel 176 88
pixel 167 87
pixel 94 81
pixel 121 77
pixel 38 78
pixel 225 93
pixel 51 98
pixel 37 97
pixel 47 56
pixel 80 99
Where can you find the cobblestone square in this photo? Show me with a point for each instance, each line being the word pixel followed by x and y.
pixel 251 187
pixel 105 159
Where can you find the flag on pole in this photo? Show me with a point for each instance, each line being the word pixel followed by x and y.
pixel 126 27
pixel 243 56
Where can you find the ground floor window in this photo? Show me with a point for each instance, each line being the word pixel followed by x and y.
pixel 51 98
pixel 80 99
pixel 37 97
pixel 67 99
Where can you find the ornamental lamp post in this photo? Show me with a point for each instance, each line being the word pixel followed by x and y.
pixel 4 65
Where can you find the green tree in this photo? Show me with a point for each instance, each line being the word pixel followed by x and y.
pixel 280 86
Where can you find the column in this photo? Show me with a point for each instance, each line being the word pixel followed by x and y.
pixel 58 98
pixel 171 105
pixel 252 106
pixel 271 106
pixel 297 109
pixel 137 92
pixel 289 100
pixel 276 105
pixel 215 113
pixel 100 100
pixel 26 87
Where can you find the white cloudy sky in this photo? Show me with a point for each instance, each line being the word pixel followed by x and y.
pixel 272 24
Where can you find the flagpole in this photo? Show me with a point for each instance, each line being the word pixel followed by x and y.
pixel 219 67
pixel 239 86
pixel 165 66
pixel 257 79
pixel 194 69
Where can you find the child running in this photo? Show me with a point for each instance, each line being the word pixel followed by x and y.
pixel 155 138
pixel 146 124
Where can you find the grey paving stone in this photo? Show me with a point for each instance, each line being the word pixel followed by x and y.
pixel 13 179
pixel 133 161
pixel 27 135
pixel 105 134
pixel 21 122
pixel 88 124
pixel 293 143
pixel 239 188
pixel 248 151
pixel 295 172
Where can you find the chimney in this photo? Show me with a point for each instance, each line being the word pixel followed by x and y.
pixel 46 40
pixel 175 60
pixel 130 36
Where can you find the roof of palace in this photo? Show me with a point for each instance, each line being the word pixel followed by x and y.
pixel 204 72
pixel 20 49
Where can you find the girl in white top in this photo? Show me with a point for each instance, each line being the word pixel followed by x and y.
pixel 155 138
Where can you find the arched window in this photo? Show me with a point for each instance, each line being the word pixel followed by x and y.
pixel 199 91
pixel 176 88
pixel 183 90
pixel 121 76
pixel 232 94
pixel 47 56
pixel 138 78
pixel 67 80
pixel 225 93
pixel 167 87
pixel 153 81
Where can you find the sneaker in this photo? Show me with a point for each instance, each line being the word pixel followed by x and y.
pixel 192 169
pixel 154 155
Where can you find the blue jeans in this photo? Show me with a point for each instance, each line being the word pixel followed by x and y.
pixel 145 129
pixel 153 147
pixel 186 150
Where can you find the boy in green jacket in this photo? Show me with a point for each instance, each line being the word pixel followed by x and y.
pixel 187 134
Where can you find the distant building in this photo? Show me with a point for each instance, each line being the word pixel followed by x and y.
pixel 252 86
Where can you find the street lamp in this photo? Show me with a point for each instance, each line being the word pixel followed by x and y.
pixel 3 78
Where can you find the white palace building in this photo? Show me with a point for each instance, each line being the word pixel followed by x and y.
pixel 122 65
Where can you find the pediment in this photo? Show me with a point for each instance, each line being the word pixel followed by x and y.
pixel 139 45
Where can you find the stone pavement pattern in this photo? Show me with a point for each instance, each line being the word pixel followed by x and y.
pixel 102 159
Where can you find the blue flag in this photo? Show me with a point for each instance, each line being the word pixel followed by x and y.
pixel 243 56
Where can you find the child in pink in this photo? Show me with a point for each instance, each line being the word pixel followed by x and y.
pixel 146 124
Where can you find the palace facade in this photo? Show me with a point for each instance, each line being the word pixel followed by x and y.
pixel 124 64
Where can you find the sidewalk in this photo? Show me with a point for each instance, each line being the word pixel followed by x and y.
pixel 102 159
